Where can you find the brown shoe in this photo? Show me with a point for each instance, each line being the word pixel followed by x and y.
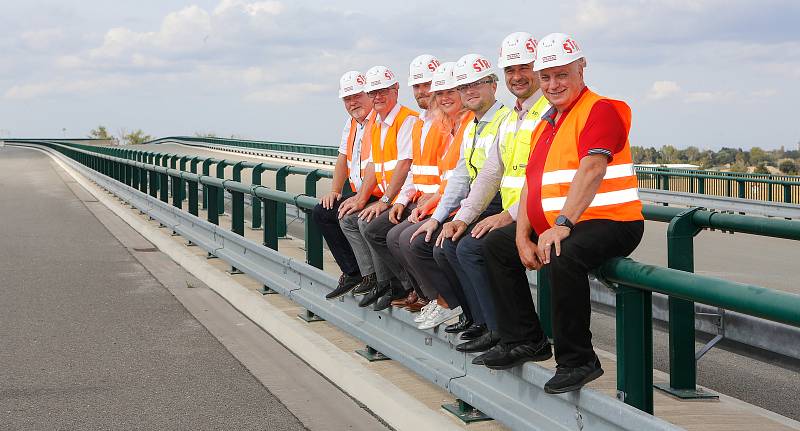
pixel 417 306
pixel 405 301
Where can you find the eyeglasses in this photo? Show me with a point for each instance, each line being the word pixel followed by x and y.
pixel 464 87
pixel 382 92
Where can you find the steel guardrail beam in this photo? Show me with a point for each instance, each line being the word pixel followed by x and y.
pixel 738 205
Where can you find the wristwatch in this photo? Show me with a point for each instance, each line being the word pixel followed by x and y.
pixel 564 221
pixel 385 199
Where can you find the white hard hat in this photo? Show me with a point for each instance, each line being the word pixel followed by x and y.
pixel 556 49
pixel 421 69
pixel 379 77
pixel 352 82
pixel 517 48
pixel 471 68
pixel 443 78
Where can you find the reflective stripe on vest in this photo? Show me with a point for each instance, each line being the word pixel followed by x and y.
pixel 475 156
pixel 516 149
pixel 365 148
pixel 617 197
pixel 385 156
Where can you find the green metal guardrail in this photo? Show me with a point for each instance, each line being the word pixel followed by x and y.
pixel 288 147
pixel 633 282
pixel 764 187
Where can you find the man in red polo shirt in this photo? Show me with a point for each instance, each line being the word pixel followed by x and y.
pixel 582 208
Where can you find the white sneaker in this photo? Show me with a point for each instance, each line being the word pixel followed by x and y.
pixel 425 312
pixel 439 316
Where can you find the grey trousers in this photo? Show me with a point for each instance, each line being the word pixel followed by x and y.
pixel 376 232
pixel 367 259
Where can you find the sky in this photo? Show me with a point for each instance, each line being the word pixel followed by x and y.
pixel 706 73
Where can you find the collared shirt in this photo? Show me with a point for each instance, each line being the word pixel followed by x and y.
pixel 487 183
pixel 354 167
pixel 458 186
pixel 404 148
pixel 604 133
pixel 408 191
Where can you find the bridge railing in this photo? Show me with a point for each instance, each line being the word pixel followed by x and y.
pixel 287 147
pixel 764 187
pixel 633 282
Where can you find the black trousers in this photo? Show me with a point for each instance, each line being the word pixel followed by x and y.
pixel 328 222
pixel 590 243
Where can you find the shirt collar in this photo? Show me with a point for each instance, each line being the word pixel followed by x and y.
pixel 487 117
pixel 389 120
pixel 526 106
pixel 550 115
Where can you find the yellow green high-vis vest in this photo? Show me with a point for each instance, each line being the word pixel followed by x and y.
pixel 475 155
pixel 515 149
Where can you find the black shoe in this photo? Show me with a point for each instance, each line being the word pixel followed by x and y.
pixel 478 360
pixel 474 332
pixel 509 357
pixel 368 283
pixel 464 322
pixel 385 301
pixel 346 284
pixel 480 344
pixel 373 295
pixel 569 379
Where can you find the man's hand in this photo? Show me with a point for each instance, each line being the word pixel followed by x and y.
pixel 527 253
pixel 328 200
pixel 417 215
pixel 491 223
pixel 423 198
pixel 396 213
pixel 373 211
pixel 427 228
pixel 349 206
pixel 551 238
pixel 452 230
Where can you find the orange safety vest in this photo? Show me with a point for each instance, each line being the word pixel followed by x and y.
pixel 617 197
pixel 385 157
pixel 365 149
pixel 449 155
pixel 449 160
pixel 424 168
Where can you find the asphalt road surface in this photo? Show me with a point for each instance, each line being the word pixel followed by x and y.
pixel 90 339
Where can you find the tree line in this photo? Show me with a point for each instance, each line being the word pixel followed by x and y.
pixel 756 159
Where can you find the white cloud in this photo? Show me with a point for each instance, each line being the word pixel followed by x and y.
pixel 60 87
pixel 265 7
pixel 42 39
pixel 286 93
pixel 709 96
pixel 663 89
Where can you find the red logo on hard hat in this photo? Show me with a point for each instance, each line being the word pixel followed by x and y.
pixel 388 74
pixel 530 45
pixel 360 80
pixel 570 46
pixel 481 64
pixel 433 65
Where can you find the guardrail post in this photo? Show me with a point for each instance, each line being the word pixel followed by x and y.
pixel 635 347
pixel 271 224
pixel 237 220
pixel 311 182
pixel 153 177
pixel 221 196
pixel 164 187
pixel 206 170
pixel 280 184
pixel 543 300
pixel 212 215
pixel 256 202
pixel 183 161
pixel 664 182
pixel 193 210
pixel 177 196
pixel 741 187
pixel 787 193
pixel 682 362
pixel 701 185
